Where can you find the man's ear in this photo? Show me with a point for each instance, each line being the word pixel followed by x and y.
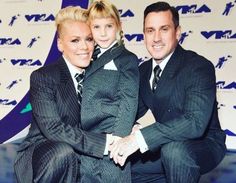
pixel 178 32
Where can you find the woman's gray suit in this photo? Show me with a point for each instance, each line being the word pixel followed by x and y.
pixel 55 127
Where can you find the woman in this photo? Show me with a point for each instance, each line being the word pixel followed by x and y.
pixel 51 150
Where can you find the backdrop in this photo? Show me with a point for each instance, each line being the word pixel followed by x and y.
pixel 27 42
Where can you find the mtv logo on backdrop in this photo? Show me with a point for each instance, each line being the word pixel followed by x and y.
pixel 193 9
pixel 223 85
pixel 10 41
pixel 134 37
pixel 13 19
pixel 26 62
pixel 184 35
pixel 219 34
pixel 13 83
pixel 8 102
pixel 40 17
pixel 222 60
pixel 126 13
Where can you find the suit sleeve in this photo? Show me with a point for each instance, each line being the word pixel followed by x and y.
pixel 43 98
pixel 142 108
pixel 192 120
pixel 128 93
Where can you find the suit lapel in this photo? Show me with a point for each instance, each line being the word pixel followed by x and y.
pixel 67 91
pixel 167 82
pixel 160 98
pixel 145 87
pixel 106 57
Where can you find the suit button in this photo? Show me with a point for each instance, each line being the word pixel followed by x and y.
pixel 169 110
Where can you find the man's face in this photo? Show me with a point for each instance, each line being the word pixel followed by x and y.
pixel 160 34
pixel 76 43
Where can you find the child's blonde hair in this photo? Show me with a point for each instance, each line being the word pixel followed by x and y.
pixel 105 9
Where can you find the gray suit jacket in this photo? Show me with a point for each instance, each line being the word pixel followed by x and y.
pixel 55 117
pixel 109 105
pixel 110 93
pixel 184 103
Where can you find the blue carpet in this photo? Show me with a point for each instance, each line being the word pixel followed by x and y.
pixel 7 156
pixel 225 172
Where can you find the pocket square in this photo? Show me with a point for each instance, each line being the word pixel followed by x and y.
pixel 110 66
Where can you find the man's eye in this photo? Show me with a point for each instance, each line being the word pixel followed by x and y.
pixel 149 30
pixel 164 29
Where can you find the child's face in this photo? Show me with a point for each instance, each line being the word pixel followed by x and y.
pixel 104 31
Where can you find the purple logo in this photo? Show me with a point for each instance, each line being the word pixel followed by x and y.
pixel 228 8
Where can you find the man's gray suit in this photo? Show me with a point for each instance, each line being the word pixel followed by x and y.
pixel 184 106
pixel 55 126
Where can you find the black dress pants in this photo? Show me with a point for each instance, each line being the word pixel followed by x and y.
pixel 177 162
pixel 55 162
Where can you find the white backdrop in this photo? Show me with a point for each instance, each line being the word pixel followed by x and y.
pixel 208 28
pixel 27 31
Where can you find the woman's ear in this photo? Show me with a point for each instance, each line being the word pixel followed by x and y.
pixel 59 45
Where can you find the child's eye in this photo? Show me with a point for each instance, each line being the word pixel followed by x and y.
pixel 90 39
pixel 96 26
pixel 110 26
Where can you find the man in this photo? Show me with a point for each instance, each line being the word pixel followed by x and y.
pixel 186 140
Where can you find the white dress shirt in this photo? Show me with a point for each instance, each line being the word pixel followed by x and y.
pixel 143 147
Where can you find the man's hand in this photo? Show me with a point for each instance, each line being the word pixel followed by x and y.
pixel 123 148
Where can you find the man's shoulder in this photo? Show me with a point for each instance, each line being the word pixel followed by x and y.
pixel 194 58
pixel 145 63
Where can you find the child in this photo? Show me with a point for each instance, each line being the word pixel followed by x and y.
pixel 110 93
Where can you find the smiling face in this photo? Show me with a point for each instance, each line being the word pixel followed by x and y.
pixel 76 43
pixel 104 31
pixel 160 35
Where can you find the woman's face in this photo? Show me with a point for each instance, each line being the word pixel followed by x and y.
pixel 76 43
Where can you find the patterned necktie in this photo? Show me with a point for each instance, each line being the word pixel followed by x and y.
pixel 157 71
pixel 96 52
pixel 79 78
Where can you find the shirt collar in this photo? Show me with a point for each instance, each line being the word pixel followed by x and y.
pixel 105 49
pixel 73 69
pixel 163 62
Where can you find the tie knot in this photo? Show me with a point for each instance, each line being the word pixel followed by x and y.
pixel 79 77
pixel 96 52
pixel 157 70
